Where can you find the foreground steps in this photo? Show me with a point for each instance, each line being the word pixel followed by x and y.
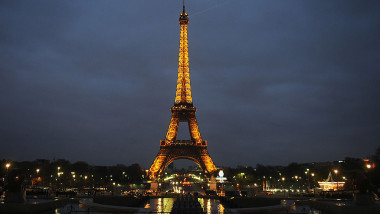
pixel 187 204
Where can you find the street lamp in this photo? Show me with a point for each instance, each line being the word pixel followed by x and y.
pixel 312 175
pixel 7 165
pixel 58 174
pixel 282 185
pixel 336 173
pixel 85 179
pixel 308 179
pixel 37 171
pixel 296 185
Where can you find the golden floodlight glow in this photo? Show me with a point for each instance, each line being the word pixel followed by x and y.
pixel 183 110
pixel 183 92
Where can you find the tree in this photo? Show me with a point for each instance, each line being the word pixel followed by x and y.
pixel 354 170
pixel 374 173
pixel 135 173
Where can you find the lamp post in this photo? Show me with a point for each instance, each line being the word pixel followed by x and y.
pixel 7 165
pixel 336 173
pixel 308 179
pixel 58 174
pixel 85 180
pixel 37 171
pixel 369 167
pixel 312 175
pixel 283 179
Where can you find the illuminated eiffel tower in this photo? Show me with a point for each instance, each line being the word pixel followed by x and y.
pixel 183 110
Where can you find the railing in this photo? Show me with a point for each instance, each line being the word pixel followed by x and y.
pixel 183 142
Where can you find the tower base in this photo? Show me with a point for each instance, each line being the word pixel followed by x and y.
pixel 154 186
pixel 172 152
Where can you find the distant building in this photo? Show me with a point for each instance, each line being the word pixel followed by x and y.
pixel 330 185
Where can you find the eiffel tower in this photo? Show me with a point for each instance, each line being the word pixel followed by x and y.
pixel 183 110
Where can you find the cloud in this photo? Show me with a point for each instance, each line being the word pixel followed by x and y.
pixel 94 81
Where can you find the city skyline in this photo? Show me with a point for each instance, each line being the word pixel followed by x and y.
pixel 273 83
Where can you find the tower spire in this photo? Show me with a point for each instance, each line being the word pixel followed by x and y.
pixel 183 92
pixel 183 3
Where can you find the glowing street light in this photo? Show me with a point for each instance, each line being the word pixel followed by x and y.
pixel 368 166
pixel 308 179
pixel 7 165
pixel 336 173
pixel 37 170
pixel 312 177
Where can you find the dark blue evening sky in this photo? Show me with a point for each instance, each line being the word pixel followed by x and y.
pixel 274 81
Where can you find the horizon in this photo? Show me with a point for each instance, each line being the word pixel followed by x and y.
pixel 184 163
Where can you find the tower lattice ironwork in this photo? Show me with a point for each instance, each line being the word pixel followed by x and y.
pixel 183 110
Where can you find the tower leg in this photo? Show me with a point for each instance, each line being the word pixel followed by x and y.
pixel 173 129
pixel 213 184
pixel 154 186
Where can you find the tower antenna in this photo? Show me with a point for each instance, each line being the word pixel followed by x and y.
pixel 183 3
